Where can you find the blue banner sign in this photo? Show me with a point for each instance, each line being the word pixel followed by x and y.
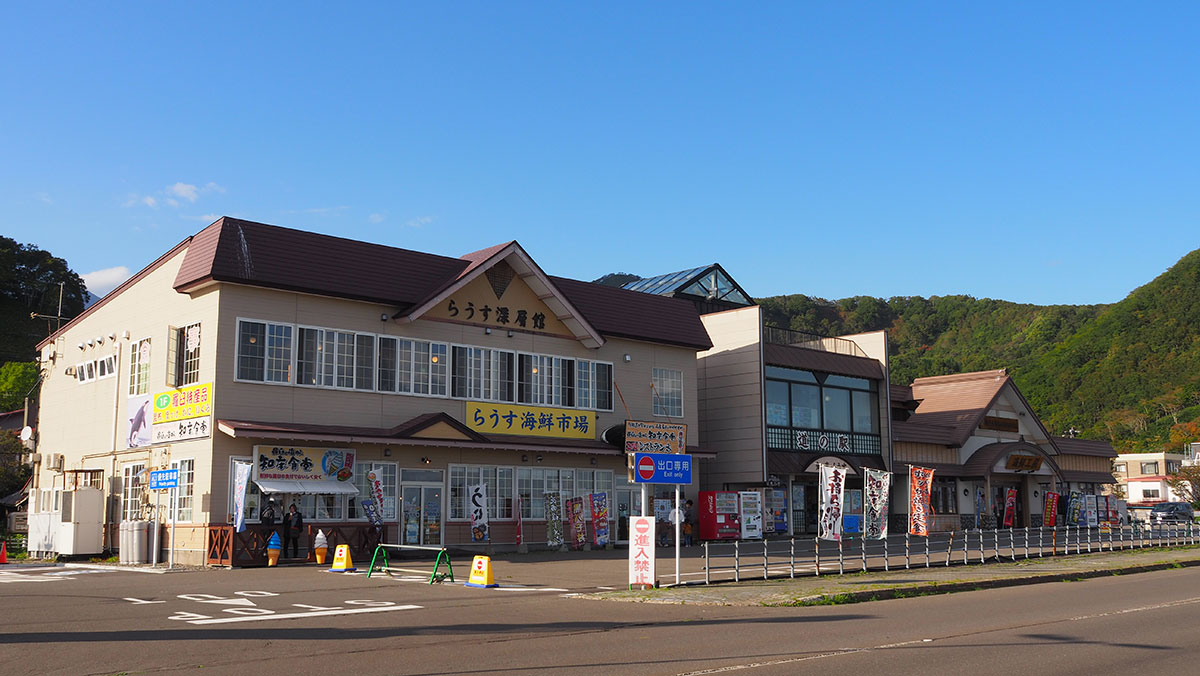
pixel 662 468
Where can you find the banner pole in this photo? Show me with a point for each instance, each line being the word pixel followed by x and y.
pixel 157 528
pixel 174 518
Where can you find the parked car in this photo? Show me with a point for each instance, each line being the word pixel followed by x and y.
pixel 1178 512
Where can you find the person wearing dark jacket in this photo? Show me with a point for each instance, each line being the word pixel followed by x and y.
pixel 293 526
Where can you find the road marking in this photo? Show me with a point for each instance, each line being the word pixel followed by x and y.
pixel 209 598
pixel 141 602
pixel 886 646
pixel 7 577
pixel 295 616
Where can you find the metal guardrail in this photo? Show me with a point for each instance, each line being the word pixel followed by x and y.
pixel 811 341
pixel 765 559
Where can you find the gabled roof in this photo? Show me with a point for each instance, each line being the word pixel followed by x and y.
pixel 1076 446
pixel 817 360
pixel 245 252
pixel 537 280
pixel 958 403
pixel 710 282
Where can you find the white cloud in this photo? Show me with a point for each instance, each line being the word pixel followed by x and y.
pixel 185 190
pixel 375 218
pixel 100 282
pixel 44 198
pixel 149 201
pixel 418 222
pixel 212 187
pixel 172 202
pixel 318 211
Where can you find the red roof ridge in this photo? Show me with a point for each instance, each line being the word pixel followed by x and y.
pixel 998 374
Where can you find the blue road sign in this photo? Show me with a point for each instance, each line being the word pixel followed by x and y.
pixel 662 468
pixel 164 478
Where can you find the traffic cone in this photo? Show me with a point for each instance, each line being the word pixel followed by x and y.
pixel 3 551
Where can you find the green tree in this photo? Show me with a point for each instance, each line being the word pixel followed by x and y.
pixel 13 472
pixel 1186 483
pixel 17 378
pixel 29 283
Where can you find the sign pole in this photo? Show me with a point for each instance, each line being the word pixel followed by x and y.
pixel 157 496
pixel 678 519
pixel 174 518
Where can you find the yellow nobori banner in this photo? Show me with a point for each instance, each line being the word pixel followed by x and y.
pixel 183 404
pixel 530 421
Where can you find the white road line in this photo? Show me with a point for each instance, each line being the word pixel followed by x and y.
pixel 530 589
pixel 886 646
pixel 293 616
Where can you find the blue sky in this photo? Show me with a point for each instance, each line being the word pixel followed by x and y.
pixel 1033 153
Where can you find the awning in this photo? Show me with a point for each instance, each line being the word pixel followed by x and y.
pixel 306 487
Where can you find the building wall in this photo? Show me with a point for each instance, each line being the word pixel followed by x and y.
pixel 730 395
pixel 291 403
pixel 907 451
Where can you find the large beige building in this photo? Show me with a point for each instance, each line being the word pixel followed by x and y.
pixel 363 383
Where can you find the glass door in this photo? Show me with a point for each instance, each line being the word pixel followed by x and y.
pixel 629 503
pixel 421 522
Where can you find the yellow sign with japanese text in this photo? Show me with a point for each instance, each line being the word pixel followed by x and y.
pixel 655 437
pixel 184 403
pixel 530 421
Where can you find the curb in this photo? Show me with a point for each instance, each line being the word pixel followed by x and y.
pixel 130 569
pixel 999 583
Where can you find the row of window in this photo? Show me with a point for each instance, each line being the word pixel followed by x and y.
pixel 96 369
pixel 1150 468
pixel 818 401
pixel 285 354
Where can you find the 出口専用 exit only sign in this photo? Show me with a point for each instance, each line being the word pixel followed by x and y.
pixel 662 468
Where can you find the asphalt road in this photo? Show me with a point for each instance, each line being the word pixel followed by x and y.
pixel 305 621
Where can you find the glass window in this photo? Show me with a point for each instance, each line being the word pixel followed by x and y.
pixel 504 493
pixel 806 406
pixel 777 403
pixel 386 377
pixel 846 381
pixel 132 476
pixel 345 359
pixel 437 369
pixel 604 383
pixel 364 362
pixel 185 494
pixel 421 366
pixel 279 353
pixel 139 367
pixel 795 375
pixel 1119 467
pixel 404 366
pixel 308 357
pixel 583 383
pixel 668 385
pixel 864 412
pixel 1149 468
pixel 836 409
pixel 251 350
pixel 189 351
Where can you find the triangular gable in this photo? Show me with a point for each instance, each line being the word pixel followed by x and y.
pixel 440 430
pixel 715 284
pixel 962 401
pixel 435 426
pixel 517 293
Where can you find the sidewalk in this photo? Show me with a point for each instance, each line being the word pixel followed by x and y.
pixel 878 585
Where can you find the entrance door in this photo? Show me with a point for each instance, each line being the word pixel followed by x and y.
pixel 629 503
pixel 422 518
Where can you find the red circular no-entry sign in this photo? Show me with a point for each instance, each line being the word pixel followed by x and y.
pixel 645 468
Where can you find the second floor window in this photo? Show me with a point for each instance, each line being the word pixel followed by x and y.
pixel 139 367
pixel 184 349
pixel 1149 468
pixel 668 392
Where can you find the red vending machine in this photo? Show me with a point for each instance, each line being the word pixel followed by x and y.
pixel 719 515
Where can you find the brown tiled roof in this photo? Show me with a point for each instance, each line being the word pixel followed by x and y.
pixel 817 360
pixel 900 393
pixel 956 401
pixel 922 433
pixel 234 250
pixel 1084 447
pixel 641 316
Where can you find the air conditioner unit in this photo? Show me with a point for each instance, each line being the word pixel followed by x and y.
pixel 56 462
pixel 35 458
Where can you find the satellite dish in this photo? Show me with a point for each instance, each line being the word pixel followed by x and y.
pixel 26 433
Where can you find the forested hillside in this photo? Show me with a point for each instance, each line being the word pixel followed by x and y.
pixel 1128 372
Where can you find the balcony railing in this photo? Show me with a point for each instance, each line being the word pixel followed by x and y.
pixel 818 441
pixel 811 341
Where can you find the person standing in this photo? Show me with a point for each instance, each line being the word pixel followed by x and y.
pixel 267 516
pixel 293 526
